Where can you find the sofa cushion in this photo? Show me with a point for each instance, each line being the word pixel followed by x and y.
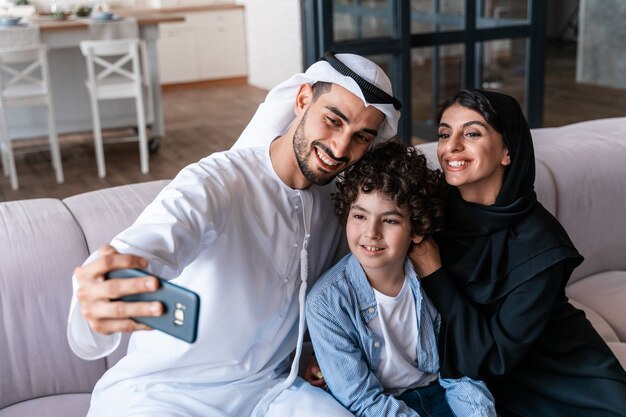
pixel 65 405
pixel 104 213
pixel 586 161
pixel 597 321
pixel 430 152
pixel 604 293
pixel 40 244
pixel 619 349
pixel 545 188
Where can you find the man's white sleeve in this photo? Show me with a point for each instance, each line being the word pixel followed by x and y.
pixel 169 233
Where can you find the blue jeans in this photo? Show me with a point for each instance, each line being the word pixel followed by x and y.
pixel 428 401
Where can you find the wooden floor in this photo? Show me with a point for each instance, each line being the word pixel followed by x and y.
pixel 203 119
pixel 566 101
pixel 198 121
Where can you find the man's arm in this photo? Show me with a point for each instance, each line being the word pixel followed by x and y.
pixel 95 316
pixel 169 234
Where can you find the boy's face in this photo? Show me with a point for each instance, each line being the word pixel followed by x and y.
pixel 379 235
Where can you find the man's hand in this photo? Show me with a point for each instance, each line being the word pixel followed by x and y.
pixel 313 374
pixel 97 296
pixel 425 257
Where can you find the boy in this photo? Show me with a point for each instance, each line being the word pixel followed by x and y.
pixel 373 329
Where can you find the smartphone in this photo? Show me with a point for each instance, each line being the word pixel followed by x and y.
pixel 180 305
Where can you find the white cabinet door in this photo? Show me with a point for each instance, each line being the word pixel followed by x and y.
pixel 222 46
pixel 178 59
pixel 208 45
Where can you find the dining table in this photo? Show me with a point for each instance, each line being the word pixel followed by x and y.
pixel 68 73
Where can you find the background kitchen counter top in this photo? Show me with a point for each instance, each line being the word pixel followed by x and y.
pixel 145 17
pixel 135 11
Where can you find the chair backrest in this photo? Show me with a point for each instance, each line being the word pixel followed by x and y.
pixel 112 58
pixel 24 66
pixel 19 36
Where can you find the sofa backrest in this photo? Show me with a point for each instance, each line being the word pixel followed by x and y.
pixel 104 213
pixel 40 245
pixel 581 180
pixel 41 242
pixel 586 161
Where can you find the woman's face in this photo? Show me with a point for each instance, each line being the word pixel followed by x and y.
pixel 472 154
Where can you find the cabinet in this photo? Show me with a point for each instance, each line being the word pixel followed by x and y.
pixel 208 45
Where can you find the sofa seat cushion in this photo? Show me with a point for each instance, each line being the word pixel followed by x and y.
pixel 604 293
pixel 66 405
pixel 586 161
pixel 597 321
pixel 619 349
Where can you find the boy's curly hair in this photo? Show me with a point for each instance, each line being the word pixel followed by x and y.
pixel 399 172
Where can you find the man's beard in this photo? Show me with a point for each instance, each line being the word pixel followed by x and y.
pixel 303 152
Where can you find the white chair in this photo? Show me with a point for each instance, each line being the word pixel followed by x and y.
pixel 24 81
pixel 114 72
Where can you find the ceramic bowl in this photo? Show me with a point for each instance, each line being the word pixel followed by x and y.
pixel 102 15
pixel 9 20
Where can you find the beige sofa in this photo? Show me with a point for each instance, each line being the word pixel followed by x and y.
pixel 581 178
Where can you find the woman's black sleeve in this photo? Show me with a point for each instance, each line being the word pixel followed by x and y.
pixel 486 346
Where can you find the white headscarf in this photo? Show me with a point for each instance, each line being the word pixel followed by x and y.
pixel 274 116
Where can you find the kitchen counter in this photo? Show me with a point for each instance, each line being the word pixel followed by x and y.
pixel 130 11
pixel 144 18
pixel 68 72
pixel 209 45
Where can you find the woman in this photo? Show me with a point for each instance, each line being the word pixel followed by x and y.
pixel 501 293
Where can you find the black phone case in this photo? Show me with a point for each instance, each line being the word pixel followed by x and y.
pixel 181 306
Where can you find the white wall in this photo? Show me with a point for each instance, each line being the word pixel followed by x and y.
pixel 274 40
pixel 601 56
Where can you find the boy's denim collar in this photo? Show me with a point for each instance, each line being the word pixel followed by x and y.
pixel 363 290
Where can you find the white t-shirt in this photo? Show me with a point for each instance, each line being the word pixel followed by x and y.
pixel 396 324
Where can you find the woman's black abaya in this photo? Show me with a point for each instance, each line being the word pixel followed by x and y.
pixel 501 294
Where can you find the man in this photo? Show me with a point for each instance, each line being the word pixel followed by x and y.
pixel 243 229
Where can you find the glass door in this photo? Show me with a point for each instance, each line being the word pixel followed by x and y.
pixel 432 48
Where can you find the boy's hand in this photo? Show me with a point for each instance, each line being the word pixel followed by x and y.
pixel 425 257
pixel 313 373
pixel 97 296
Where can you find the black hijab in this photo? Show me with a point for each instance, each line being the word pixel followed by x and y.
pixel 493 249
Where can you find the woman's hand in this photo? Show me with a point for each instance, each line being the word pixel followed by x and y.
pixel 425 257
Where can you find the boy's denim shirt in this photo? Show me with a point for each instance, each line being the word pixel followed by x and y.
pixel 338 310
